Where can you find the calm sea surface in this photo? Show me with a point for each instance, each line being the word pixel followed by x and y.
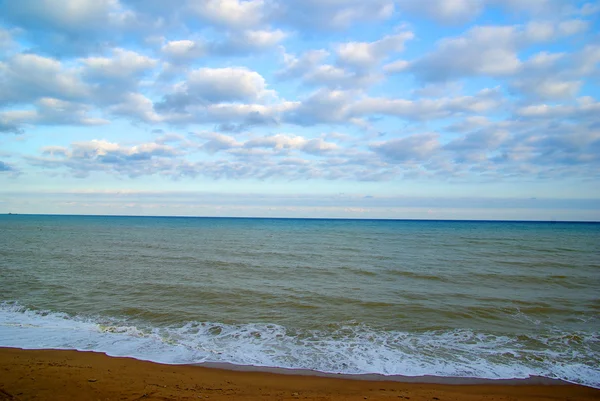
pixel 456 299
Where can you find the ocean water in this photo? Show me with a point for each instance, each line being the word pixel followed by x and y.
pixel 454 299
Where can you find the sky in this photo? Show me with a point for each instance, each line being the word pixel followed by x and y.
pixel 402 109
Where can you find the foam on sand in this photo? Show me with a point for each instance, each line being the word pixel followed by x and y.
pixel 347 349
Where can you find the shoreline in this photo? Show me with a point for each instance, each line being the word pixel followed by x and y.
pixel 82 375
pixel 378 377
pixel 425 379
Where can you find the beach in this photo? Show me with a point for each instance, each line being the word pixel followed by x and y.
pixel 73 375
pixel 450 300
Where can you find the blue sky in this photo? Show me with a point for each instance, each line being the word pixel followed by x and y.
pixel 444 109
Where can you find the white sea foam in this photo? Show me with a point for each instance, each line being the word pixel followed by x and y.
pixel 350 349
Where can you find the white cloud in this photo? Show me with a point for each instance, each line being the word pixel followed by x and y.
pixel 50 111
pixel 486 51
pixel 318 146
pixel 233 43
pixel 101 148
pixel 540 8
pixel 6 41
pixel 543 60
pixel 586 62
pixel 322 106
pixel 469 123
pixel 283 141
pixel 538 31
pixel 311 70
pixel 480 140
pixel 364 55
pixel 339 78
pixel 330 14
pixel 226 84
pixel 246 42
pixel 424 109
pixel 482 51
pixel 547 88
pixel 412 148
pixel 327 73
pixel 279 142
pixel 445 11
pixel 233 14
pixel 231 117
pixel 263 38
pixel 68 15
pixel 572 27
pixel 64 28
pixel 439 89
pixel 137 107
pixel 85 157
pixel 216 85
pixel 182 51
pixel 123 65
pixel 350 107
pixel 396 67
pixel 298 66
pixel 235 112
pixel 217 142
pixel 587 108
pixel 27 77
pixel 554 76
pixel 461 11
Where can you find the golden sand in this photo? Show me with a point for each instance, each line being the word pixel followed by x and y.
pixel 73 375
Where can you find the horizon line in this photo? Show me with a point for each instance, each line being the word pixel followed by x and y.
pixel 302 218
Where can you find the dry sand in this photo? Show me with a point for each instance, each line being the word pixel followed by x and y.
pixel 72 375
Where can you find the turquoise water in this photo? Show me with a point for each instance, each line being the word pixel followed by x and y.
pixel 456 299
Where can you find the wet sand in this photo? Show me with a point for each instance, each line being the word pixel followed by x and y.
pixel 73 375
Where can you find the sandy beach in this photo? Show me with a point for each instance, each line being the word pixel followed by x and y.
pixel 73 375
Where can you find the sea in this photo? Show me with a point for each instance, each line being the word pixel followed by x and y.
pixel 451 299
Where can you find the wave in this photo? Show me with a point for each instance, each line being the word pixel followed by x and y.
pixel 350 348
